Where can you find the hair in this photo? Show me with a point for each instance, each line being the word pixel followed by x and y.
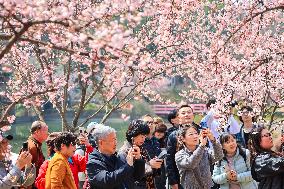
pixel 210 102
pixel 50 143
pixel 161 128
pixel 146 115
pixel 158 120
pixel 184 106
pixel 135 128
pixel 65 138
pixel 36 125
pixel 254 143
pixel 255 149
pixel 103 132
pixel 225 138
pixel 172 115
pixel 181 135
pixel 248 108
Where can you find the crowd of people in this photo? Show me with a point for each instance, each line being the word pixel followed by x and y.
pixel 184 156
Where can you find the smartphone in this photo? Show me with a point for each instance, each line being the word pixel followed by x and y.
pixel 133 143
pixel 203 125
pixel 159 160
pixel 25 146
pixel 81 130
pixel 162 155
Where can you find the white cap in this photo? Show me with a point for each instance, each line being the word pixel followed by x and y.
pixel 92 126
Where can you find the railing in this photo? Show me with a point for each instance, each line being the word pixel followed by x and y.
pixel 161 109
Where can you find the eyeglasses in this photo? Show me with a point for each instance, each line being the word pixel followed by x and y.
pixel 245 113
pixel 267 135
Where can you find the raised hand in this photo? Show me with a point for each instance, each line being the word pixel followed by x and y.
pixel 136 152
pixel 83 139
pixel 209 134
pixel 130 157
pixel 156 163
pixel 203 138
pixel 24 159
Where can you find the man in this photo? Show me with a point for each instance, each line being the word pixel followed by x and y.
pixel 247 118
pixel 185 117
pixel 39 134
pixel 173 120
pixel 106 169
pixel 11 175
pixel 59 174
pixel 211 122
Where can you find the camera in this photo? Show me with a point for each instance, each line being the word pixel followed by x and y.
pixel 81 130
pixel 233 103
pixel 25 146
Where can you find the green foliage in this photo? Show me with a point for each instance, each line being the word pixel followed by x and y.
pixel 139 109
pixel 92 107
pixel 20 110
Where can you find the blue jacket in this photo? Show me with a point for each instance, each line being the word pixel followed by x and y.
pixel 113 172
pixel 240 137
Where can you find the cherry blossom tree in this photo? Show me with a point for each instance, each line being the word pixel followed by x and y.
pixel 101 49
pixel 117 50
pixel 237 53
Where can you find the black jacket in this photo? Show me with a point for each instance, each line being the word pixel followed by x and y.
pixel 113 172
pixel 268 170
pixel 171 168
pixel 169 131
pixel 152 146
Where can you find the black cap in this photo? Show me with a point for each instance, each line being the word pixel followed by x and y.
pixel 8 137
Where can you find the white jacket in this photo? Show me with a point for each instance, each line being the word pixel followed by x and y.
pixel 241 167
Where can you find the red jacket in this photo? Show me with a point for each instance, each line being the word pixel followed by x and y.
pixel 77 164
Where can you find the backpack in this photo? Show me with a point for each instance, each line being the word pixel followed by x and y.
pixel 242 152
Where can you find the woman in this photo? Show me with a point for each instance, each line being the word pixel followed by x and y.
pixel 11 175
pixel 194 160
pixel 233 171
pixel 160 133
pixel 267 166
pixel 77 163
pixel 135 136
